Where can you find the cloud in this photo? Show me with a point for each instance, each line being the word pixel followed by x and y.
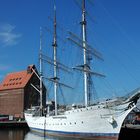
pixel 8 36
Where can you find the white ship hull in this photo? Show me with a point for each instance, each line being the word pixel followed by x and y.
pixel 97 121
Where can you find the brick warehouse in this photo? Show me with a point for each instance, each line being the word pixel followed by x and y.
pixel 17 94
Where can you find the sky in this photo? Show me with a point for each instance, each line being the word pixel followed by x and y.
pixel 113 29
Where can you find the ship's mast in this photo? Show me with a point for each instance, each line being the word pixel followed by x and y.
pixel 41 76
pixel 86 59
pixel 55 61
pixel 88 52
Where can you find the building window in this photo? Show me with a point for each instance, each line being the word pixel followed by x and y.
pixel 19 78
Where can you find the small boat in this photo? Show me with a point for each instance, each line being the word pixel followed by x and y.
pixel 4 118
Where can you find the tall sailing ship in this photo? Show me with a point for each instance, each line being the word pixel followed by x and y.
pixel 102 120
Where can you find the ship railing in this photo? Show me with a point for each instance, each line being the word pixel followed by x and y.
pixel 35 111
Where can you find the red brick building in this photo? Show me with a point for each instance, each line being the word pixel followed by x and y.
pixel 17 94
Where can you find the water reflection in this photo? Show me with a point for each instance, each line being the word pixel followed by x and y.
pixel 25 134
pixel 12 134
pixel 33 136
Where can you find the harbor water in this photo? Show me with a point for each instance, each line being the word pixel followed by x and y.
pixel 25 134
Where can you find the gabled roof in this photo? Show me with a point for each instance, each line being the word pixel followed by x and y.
pixel 17 79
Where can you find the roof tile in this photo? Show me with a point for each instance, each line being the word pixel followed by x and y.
pixel 16 80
